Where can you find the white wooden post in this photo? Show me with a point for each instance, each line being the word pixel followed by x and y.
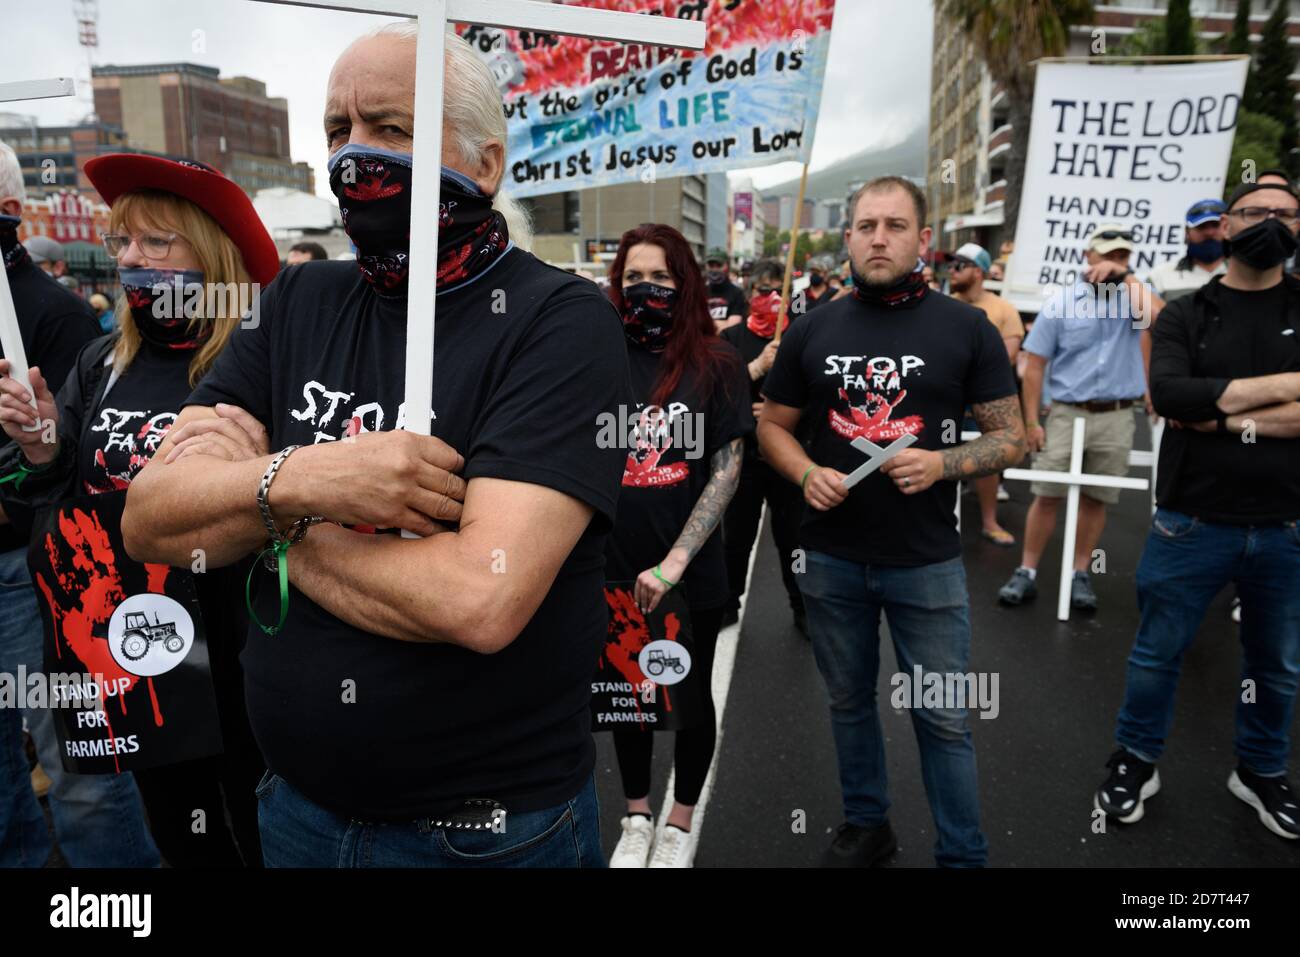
pixel 11 339
pixel 1076 479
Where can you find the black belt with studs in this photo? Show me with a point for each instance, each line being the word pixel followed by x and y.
pixel 476 814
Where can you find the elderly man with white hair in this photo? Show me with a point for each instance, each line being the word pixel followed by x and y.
pixel 98 819
pixel 420 702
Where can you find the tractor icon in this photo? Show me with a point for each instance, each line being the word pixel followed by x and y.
pixel 658 661
pixel 139 634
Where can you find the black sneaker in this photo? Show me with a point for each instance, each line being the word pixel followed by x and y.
pixel 856 846
pixel 1082 596
pixel 1272 799
pixel 1131 782
pixel 1020 588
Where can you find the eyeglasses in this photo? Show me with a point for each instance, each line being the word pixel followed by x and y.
pixel 1251 215
pixel 152 245
pixel 1114 234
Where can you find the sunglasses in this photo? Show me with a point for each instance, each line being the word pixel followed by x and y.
pixel 1114 234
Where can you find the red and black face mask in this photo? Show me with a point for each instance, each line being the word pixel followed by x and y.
pixel 648 314
pixel 11 250
pixel 373 187
pixel 167 306
pixel 764 309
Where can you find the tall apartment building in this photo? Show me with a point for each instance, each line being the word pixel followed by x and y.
pixel 970 136
pixel 183 109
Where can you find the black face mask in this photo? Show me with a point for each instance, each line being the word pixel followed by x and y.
pixel 11 250
pixel 1263 246
pixel 816 282
pixel 163 305
pixel 648 315
pixel 374 193
pixel 716 277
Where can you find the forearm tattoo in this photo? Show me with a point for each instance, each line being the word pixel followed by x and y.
pixel 1001 446
pixel 713 501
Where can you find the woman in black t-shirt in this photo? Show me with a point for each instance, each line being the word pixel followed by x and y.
pixel 692 414
pixel 191 253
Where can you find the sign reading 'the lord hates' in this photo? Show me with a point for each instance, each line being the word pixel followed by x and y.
pixel 1133 145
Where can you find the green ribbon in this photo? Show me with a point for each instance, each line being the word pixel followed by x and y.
pixel 660 576
pixel 281 550
pixel 17 477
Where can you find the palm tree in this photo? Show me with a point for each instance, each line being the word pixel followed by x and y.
pixel 1009 35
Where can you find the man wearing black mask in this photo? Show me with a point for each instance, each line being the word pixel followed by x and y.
pixel 727 304
pixel 423 702
pixel 1225 370
pixel 893 359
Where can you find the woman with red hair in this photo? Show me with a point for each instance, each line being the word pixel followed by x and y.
pixel 692 407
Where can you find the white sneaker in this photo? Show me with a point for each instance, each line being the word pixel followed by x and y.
pixel 1236 610
pixel 1003 494
pixel 634 846
pixel 675 848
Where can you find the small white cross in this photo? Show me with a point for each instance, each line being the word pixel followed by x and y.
pixel 11 339
pixel 876 456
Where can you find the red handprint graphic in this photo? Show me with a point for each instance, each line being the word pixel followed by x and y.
pixel 643 469
pixel 871 419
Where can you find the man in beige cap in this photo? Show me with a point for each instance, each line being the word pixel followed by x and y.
pixel 1091 333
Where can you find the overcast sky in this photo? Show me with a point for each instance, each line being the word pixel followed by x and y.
pixel 877 79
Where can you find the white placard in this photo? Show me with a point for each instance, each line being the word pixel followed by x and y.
pixel 1129 144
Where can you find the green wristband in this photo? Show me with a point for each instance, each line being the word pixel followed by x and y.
pixel 803 482
pixel 660 576
pixel 18 476
pixel 281 550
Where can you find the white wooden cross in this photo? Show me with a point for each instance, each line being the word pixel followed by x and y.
pixel 10 337
pixel 426 148
pixel 1076 479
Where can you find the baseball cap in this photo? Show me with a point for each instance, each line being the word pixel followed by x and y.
pixel 1206 211
pixel 717 255
pixel 977 254
pixel 43 249
pixel 1110 236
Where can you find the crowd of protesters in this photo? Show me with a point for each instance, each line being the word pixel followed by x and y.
pixel 275 448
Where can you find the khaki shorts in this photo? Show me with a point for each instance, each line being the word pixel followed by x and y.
pixel 1107 441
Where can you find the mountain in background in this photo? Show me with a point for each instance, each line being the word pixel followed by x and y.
pixel 902 159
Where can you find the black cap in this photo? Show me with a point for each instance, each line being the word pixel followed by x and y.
pixel 1245 189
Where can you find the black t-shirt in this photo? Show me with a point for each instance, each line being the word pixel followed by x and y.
pixel 54 324
pixel 750 346
pixel 1221 478
pixel 132 419
pixel 528 357
pixel 727 300
pixel 858 369
pixel 665 474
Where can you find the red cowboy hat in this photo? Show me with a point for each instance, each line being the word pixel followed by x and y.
pixel 205 187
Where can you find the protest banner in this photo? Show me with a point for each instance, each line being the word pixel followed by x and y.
pixel 585 113
pixel 1129 144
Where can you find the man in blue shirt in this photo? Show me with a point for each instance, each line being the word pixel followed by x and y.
pixel 1091 333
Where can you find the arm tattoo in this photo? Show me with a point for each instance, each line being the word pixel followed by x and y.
pixel 1001 446
pixel 713 501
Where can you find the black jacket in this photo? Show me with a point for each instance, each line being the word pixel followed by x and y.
pixel 1183 336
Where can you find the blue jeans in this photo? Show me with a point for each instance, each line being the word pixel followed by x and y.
pixel 296 832
pixel 927 608
pixel 1186 563
pixel 98 818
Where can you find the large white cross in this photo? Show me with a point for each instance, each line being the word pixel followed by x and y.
pixel 1076 479
pixel 426 147
pixel 10 337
